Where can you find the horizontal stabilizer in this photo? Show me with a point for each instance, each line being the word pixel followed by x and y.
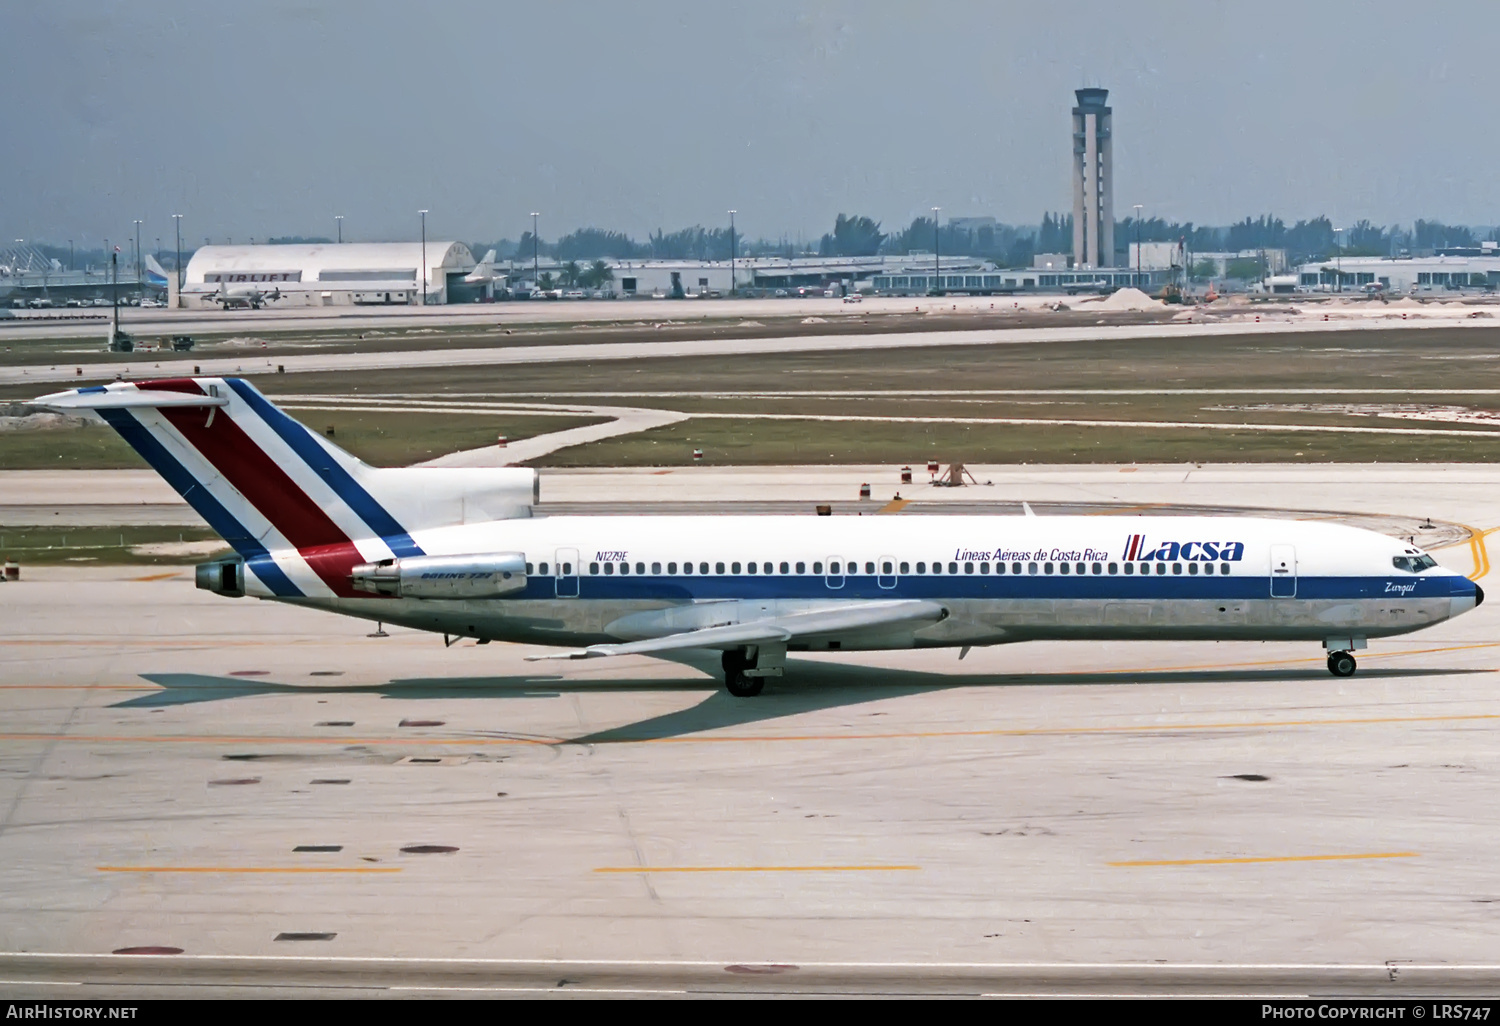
pixel 847 618
pixel 104 398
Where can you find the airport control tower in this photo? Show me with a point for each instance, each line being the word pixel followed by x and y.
pixel 1093 181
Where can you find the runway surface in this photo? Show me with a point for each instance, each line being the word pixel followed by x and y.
pixel 155 364
pixel 275 793
pixel 1463 492
pixel 95 324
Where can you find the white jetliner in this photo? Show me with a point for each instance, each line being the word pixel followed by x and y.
pixel 457 551
pixel 244 298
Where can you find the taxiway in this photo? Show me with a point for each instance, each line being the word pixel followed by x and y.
pixel 282 797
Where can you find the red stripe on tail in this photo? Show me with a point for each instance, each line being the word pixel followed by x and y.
pixel 248 467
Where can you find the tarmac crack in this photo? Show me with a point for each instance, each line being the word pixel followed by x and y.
pixel 41 759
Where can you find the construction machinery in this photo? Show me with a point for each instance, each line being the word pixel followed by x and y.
pixel 953 477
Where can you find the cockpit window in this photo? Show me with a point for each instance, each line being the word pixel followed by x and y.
pixel 1413 564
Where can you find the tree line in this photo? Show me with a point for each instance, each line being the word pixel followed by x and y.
pixel 858 235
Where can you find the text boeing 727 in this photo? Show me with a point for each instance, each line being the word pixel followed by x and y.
pixel 457 551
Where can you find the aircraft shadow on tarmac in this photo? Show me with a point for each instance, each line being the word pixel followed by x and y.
pixel 808 687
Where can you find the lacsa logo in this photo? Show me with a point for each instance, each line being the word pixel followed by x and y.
pixel 1194 551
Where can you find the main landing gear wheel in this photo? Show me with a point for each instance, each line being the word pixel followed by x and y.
pixel 735 680
pixel 1341 664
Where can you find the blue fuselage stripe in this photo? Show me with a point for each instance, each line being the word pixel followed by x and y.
pixel 1007 587
pixel 210 509
pixel 315 456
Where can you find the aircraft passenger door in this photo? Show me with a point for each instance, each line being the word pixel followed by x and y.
pixel 834 575
pixel 886 568
pixel 1283 571
pixel 565 573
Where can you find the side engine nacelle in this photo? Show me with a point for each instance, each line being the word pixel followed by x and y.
pixel 490 575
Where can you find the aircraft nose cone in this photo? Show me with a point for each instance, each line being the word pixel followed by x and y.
pixel 1478 596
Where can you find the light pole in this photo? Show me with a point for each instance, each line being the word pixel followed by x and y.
pixel 1338 272
pixel 1137 245
pixel 424 256
pixel 937 255
pixel 71 265
pixel 339 219
pixel 731 252
pixel 177 261
pixel 536 260
pixel 137 255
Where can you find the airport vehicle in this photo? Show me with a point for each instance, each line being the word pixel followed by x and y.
pixel 247 298
pixel 854 297
pixel 457 552
pixel 39 303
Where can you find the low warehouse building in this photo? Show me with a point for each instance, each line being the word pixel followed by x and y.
pixel 1450 270
pixel 333 274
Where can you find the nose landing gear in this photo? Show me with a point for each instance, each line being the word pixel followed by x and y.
pixel 1341 664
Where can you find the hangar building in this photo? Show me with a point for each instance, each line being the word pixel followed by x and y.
pixel 1447 270
pixel 333 274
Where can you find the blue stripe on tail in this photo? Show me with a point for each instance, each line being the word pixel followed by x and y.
pixel 315 456
pixel 210 509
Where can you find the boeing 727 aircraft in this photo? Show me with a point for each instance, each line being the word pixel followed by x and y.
pixel 457 551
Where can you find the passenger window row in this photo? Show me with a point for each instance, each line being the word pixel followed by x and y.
pixel 887 568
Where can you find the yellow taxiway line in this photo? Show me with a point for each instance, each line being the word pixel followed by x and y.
pixel 1481 553
pixel 1270 858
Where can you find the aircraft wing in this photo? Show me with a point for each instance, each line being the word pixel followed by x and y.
pixel 841 619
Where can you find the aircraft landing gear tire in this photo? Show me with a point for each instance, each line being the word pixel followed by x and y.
pixel 735 681
pixel 741 686
pixel 1341 664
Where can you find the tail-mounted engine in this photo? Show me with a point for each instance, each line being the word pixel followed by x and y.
pixel 443 577
pixel 222 577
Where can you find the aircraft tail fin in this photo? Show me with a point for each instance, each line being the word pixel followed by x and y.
pixel 483 271
pixel 301 511
pixel 155 275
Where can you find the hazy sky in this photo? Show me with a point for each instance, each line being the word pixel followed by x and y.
pixel 271 117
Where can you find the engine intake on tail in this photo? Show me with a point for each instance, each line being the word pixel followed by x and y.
pixel 443 577
pixel 222 577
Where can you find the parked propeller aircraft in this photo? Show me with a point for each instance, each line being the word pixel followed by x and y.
pixel 458 551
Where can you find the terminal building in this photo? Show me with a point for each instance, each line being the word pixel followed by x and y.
pixel 334 274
